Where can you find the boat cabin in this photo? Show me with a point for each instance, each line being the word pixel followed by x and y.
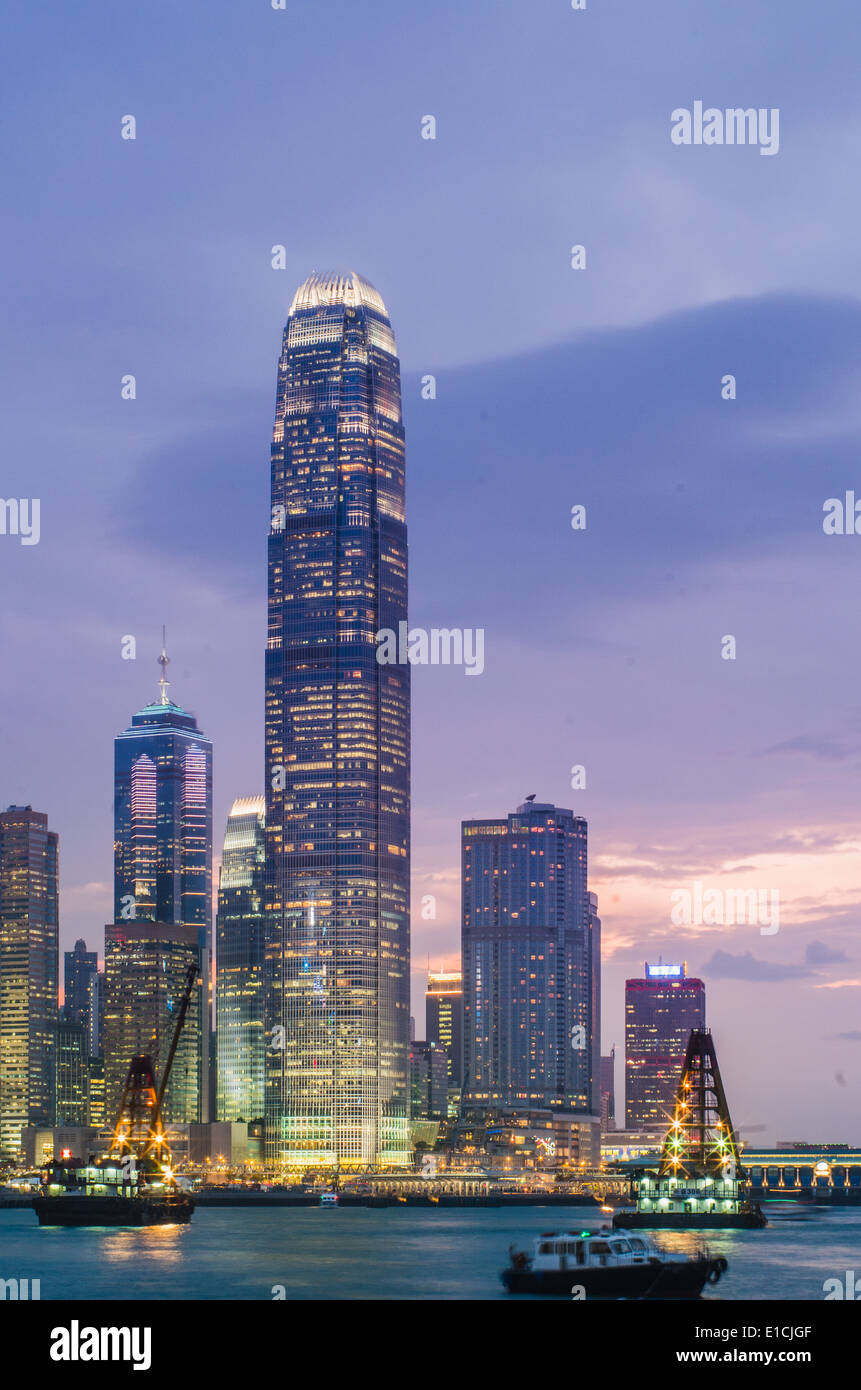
pixel 585 1249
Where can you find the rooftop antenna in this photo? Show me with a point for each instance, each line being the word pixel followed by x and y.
pixel 531 798
pixel 164 662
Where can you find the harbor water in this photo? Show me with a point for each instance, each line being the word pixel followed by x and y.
pixel 392 1253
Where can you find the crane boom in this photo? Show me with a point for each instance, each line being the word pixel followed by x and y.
pixel 190 981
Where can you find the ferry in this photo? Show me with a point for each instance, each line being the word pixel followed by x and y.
pixel 328 1199
pixel 607 1263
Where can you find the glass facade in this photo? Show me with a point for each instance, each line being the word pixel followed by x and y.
pixel 531 962
pixel 337 741
pixel 29 973
pixel 163 846
pixel 72 1077
pixel 78 966
pixel 444 1018
pixel 239 955
pixel 660 1012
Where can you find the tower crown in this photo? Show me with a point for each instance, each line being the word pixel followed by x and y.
pixel 332 287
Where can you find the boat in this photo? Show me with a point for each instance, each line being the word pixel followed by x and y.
pixel 134 1184
pixel 604 1263
pixel 744 1215
pixel 700 1183
pixel 104 1193
pixel 328 1199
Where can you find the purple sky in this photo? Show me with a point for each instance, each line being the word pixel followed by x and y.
pixel 555 387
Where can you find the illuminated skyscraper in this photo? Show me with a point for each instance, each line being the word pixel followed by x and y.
pixel 444 1019
pixel 531 963
pixel 72 1081
pixel 163 839
pixel 239 962
pixel 660 1012
pixel 337 740
pixel 29 973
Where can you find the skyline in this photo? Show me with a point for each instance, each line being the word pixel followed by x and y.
pixel 705 517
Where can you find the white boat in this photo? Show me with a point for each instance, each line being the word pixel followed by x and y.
pixel 604 1263
pixel 328 1199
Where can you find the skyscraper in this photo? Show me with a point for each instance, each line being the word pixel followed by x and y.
pixel 72 1079
pixel 429 1081
pixel 337 740
pixel 239 965
pixel 660 1011
pixel 444 1019
pixel 78 966
pixel 163 839
pixel 531 962
pixel 29 973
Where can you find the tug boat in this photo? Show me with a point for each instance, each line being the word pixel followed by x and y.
pixel 605 1263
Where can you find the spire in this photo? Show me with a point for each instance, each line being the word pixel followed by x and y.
pixel 164 662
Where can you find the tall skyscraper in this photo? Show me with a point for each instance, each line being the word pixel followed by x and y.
pixel 78 966
pixel 444 1019
pixel 29 973
pixel 239 964
pixel 531 962
pixel 163 839
pixel 337 740
pixel 660 1011
pixel 146 965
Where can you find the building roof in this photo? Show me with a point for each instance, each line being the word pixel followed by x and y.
pixel 333 287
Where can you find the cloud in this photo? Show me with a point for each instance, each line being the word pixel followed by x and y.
pixel 723 965
pixel 816 747
pixel 817 953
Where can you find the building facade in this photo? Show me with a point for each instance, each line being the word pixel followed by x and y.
pixel 337 741
pixel 29 973
pixel 660 1011
pixel 240 957
pixel 78 966
pixel 608 1091
pixel 428 1081
pixel 163 842
pixel 444 1019
pixel 531 963
pixel 146 967
pixel 73 1106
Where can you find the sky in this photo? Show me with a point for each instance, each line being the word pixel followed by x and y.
pixel 555 387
